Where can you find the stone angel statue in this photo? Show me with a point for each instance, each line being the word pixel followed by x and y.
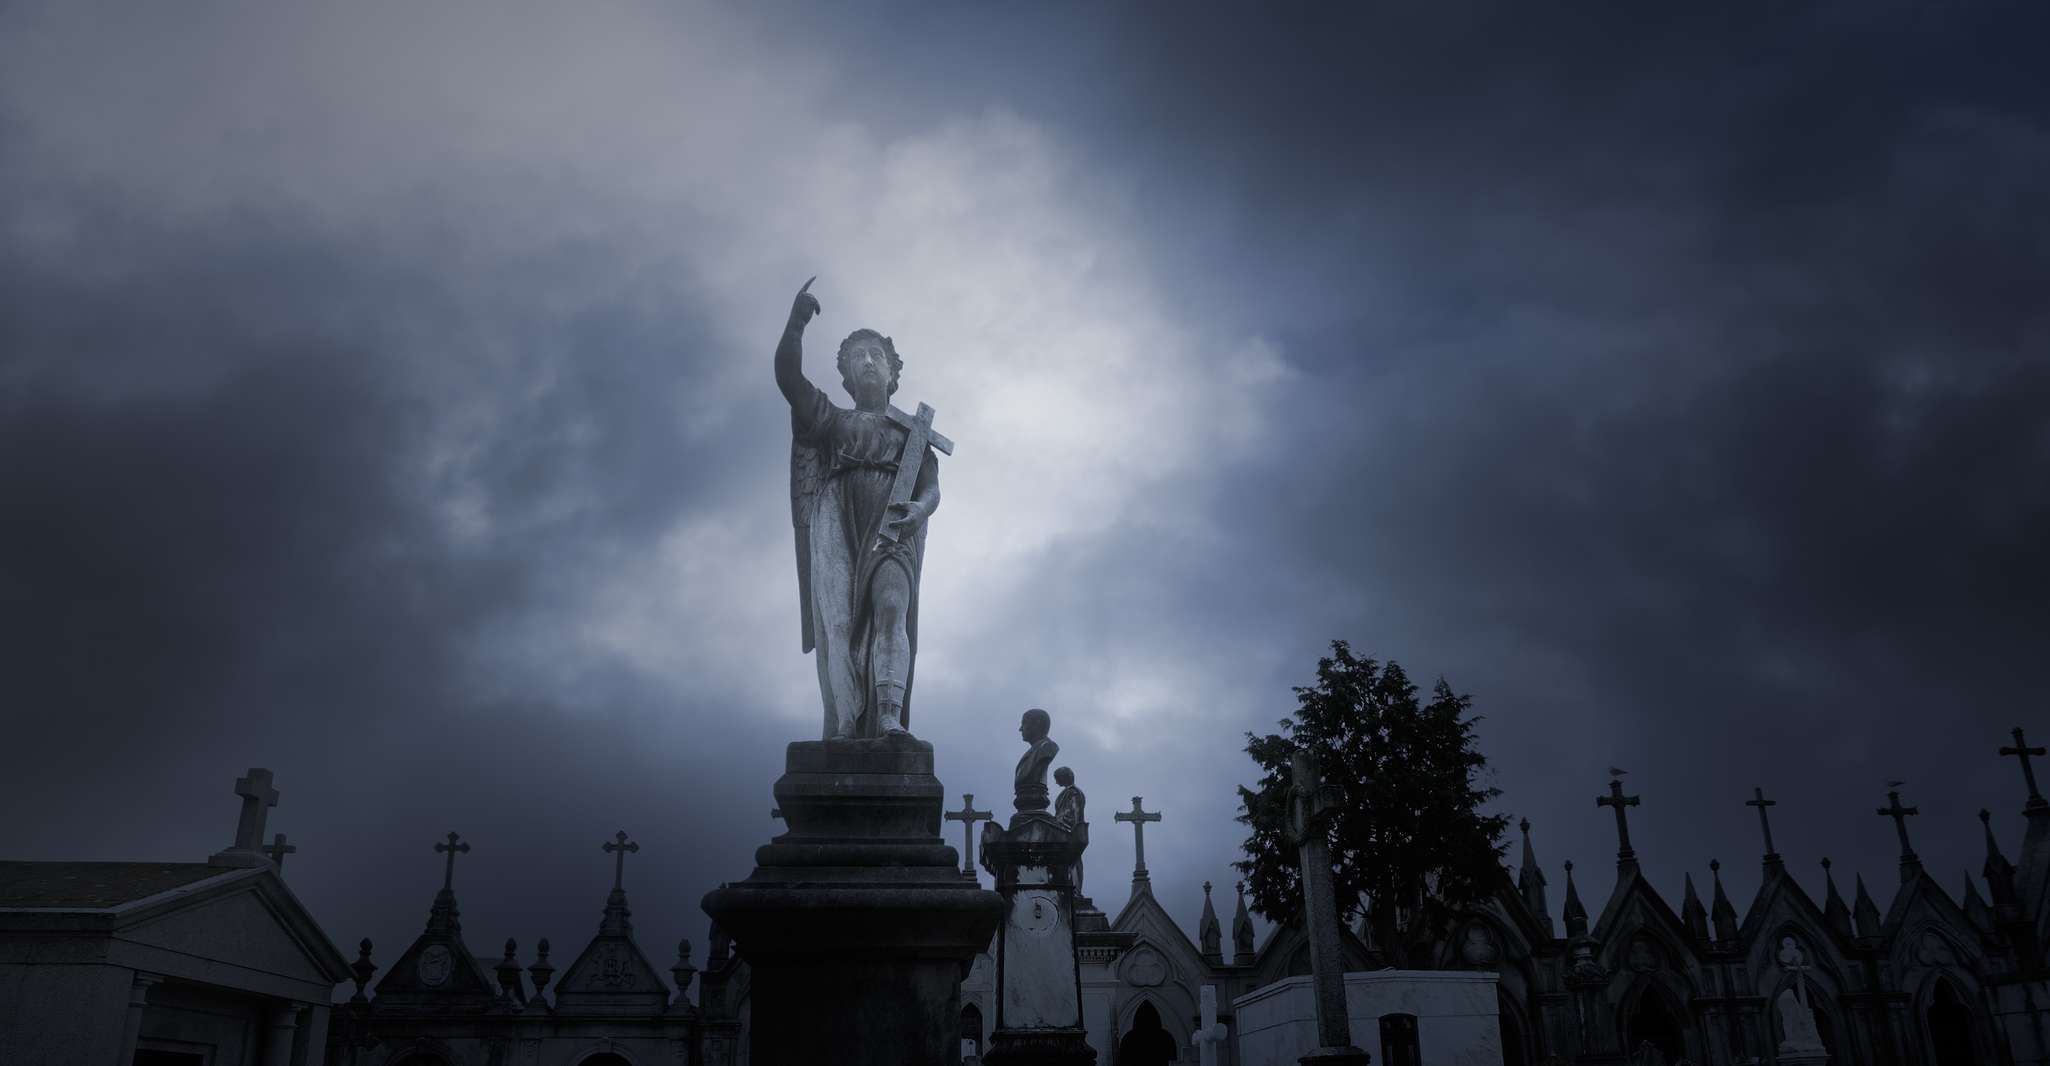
pixel 863 482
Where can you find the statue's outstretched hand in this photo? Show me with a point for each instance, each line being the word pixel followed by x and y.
pixel 805 306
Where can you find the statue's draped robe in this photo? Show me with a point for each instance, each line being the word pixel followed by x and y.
pixel 842 466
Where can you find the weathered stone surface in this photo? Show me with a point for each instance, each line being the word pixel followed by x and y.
pixel 856 923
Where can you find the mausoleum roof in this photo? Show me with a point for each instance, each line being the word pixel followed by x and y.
pixel 97 885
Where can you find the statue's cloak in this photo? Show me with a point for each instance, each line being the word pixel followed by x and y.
pixel 838 554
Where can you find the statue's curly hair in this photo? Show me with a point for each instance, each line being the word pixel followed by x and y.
pixel 889 348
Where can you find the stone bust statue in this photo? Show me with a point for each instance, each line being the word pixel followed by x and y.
pixel 1029 783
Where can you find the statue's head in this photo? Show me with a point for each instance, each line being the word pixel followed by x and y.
pixel 868 362
pixel 1064 777
pixel 1035 725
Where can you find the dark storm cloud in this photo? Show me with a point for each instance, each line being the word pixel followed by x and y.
pixel 1677 387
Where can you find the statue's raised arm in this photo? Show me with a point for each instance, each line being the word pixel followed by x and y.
pixel 863 482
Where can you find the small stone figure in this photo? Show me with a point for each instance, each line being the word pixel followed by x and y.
pixel 1029 783
pixel 1797 1018
pixel 1070 809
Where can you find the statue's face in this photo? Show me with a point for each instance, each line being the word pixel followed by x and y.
pixel 1030 728
pixel 868 369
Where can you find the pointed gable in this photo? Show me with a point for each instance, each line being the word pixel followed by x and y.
pixel 437 971
pixel 611 976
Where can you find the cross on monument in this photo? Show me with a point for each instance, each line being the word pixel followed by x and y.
pixel 619 846
pixel 2022 751
pixel 1616 798
pixel 1138 816
pixel 968 816
pixel 257 799
pixel 1759 801
pixel 1900 814
pixel 1310 803
pixel 278 850
pixel 448 877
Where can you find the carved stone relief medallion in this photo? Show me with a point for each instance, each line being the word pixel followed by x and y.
pixel 434 966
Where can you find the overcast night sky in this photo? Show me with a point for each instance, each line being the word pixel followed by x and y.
pixel 385 399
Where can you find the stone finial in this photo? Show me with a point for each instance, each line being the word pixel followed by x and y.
pixel 509 987
pixel 1693 914
pixel 1576 912
pixel 1865 912
pixel 1530 882
pixel 1999 873
pixel 360 971
pixel 1835 913
pixel 1720 911
pixel 540 971
pixel 1241 930
pixel 682 972
pixel 1210 932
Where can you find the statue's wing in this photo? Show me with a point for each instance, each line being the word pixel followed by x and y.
pixel 807 474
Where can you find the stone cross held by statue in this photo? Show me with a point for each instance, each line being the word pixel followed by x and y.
pixel 1616 799
pixel 257 799
pixel 278 850
pixel 968 816
pixel 619 846
pixel 1138 816
pixel 918 433
pixel 1759 801
pixel 2022 751
pixel 448 876
pixel 1900 814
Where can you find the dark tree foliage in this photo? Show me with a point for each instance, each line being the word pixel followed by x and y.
pixel 1409 844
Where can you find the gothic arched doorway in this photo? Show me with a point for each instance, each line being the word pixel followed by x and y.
pixel 971 1030
pixel 1950 1026
pixel 1148 1044
pixel 1515 1052
pixel 1655 1024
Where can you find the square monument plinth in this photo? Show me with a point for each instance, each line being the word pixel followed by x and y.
pixel 856 922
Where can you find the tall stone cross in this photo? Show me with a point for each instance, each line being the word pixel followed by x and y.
pixel 1310 802
pixel 968 816
pixel 1759 801
pixel 1900 816
pixel 918 433
pixel 1624 852
pixel 1212 1034
pixel 278 850
pixel 257 800
pixel 619 845
pixel 1138 816
pixel 2022 751
pixel 448 876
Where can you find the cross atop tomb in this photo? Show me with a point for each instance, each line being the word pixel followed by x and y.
pixel 277 851
pixel 257 798
pixel 1138 816
pixel 448 877
pixel 1900 816
pixel 1625 854
pixel 619 845
pixel 2021 751
pixel 968 816
pixel 1759 801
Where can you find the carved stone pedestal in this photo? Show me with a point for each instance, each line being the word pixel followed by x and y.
pixel 856 923
pixel 1039 987
pixel 1789 1056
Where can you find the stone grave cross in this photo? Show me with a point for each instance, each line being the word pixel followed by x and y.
pixel 2022 751
pixel 448 877
pixel 1211 1036
pixel 257 799
pixel 619 846
pixel 1138 816
pixel 1759 801
pixel 1624 852
pixel 968 816
pixel 278 850
pixel 1900 815
pixel 1310 802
